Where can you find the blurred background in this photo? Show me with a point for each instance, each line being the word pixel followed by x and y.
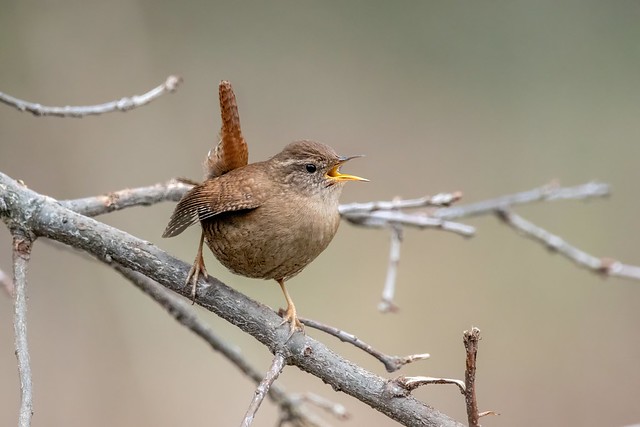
pixel 486 98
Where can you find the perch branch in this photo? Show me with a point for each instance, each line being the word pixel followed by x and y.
pixel 47 218
pixel 555 243
pixel 21 254
pixel 391 363
pixel 277 365
pixel 290 405
pixel 123 104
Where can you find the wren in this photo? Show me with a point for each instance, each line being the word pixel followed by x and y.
pixel 268 219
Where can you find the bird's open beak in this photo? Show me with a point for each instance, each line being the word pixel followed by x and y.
pixel 334 172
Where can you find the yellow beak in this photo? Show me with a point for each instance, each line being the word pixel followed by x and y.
pixel 334 172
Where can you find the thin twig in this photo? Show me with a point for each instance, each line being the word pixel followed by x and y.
pixel 290 405
pixel 546 193
pixel 386 303
pixel 419 220
pixel 21 254
pixel 439 200
pixel 7 284
pixel 555 243
pixel 391 363
pixel 470 339
pixel 277 365
pixel 123 104
pixel 172 190
pixel 411 383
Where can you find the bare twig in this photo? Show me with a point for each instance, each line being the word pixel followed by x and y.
pixel 277 365
pixel 420 220
pixel 471 339
pixel 123 104
pixel 555 243
pixel 439 200
pixel 411 383
pixel 546 193
pixel 391 363
pixel 7 283
pixel 173 190
pixel 386 303
pixel 21 254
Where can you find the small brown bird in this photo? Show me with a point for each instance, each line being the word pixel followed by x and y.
pixel 268 219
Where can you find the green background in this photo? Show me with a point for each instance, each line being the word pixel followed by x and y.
pixel 488 98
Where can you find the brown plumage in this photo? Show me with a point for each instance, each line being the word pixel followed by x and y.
pixel 267 219
pixel 231 152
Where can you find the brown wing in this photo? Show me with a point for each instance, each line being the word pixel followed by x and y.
pixel 231 152
pixel 224 194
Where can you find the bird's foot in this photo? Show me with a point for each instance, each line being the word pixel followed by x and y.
pixel 197 269
pixel 290 316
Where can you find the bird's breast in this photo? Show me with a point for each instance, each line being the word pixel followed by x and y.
pixel 272 241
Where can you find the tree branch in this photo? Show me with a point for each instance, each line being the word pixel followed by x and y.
pixel 555 243
pixel 470 340
pixel 439 200
pixel 391 363
pixel 420 220
pixel 47 218
pixel 386 303
pixel 172 190
pixel 123 104
pixel 545 193
pixel 412 383
pixel 21 253
pixel 277 365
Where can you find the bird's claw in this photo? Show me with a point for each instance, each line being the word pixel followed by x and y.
pixel 290 316
pixel 197 269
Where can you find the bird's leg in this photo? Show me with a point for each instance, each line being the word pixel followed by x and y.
pixel 197 269
pixel 290 315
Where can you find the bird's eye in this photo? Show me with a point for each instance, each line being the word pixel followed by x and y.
pixel 311 168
